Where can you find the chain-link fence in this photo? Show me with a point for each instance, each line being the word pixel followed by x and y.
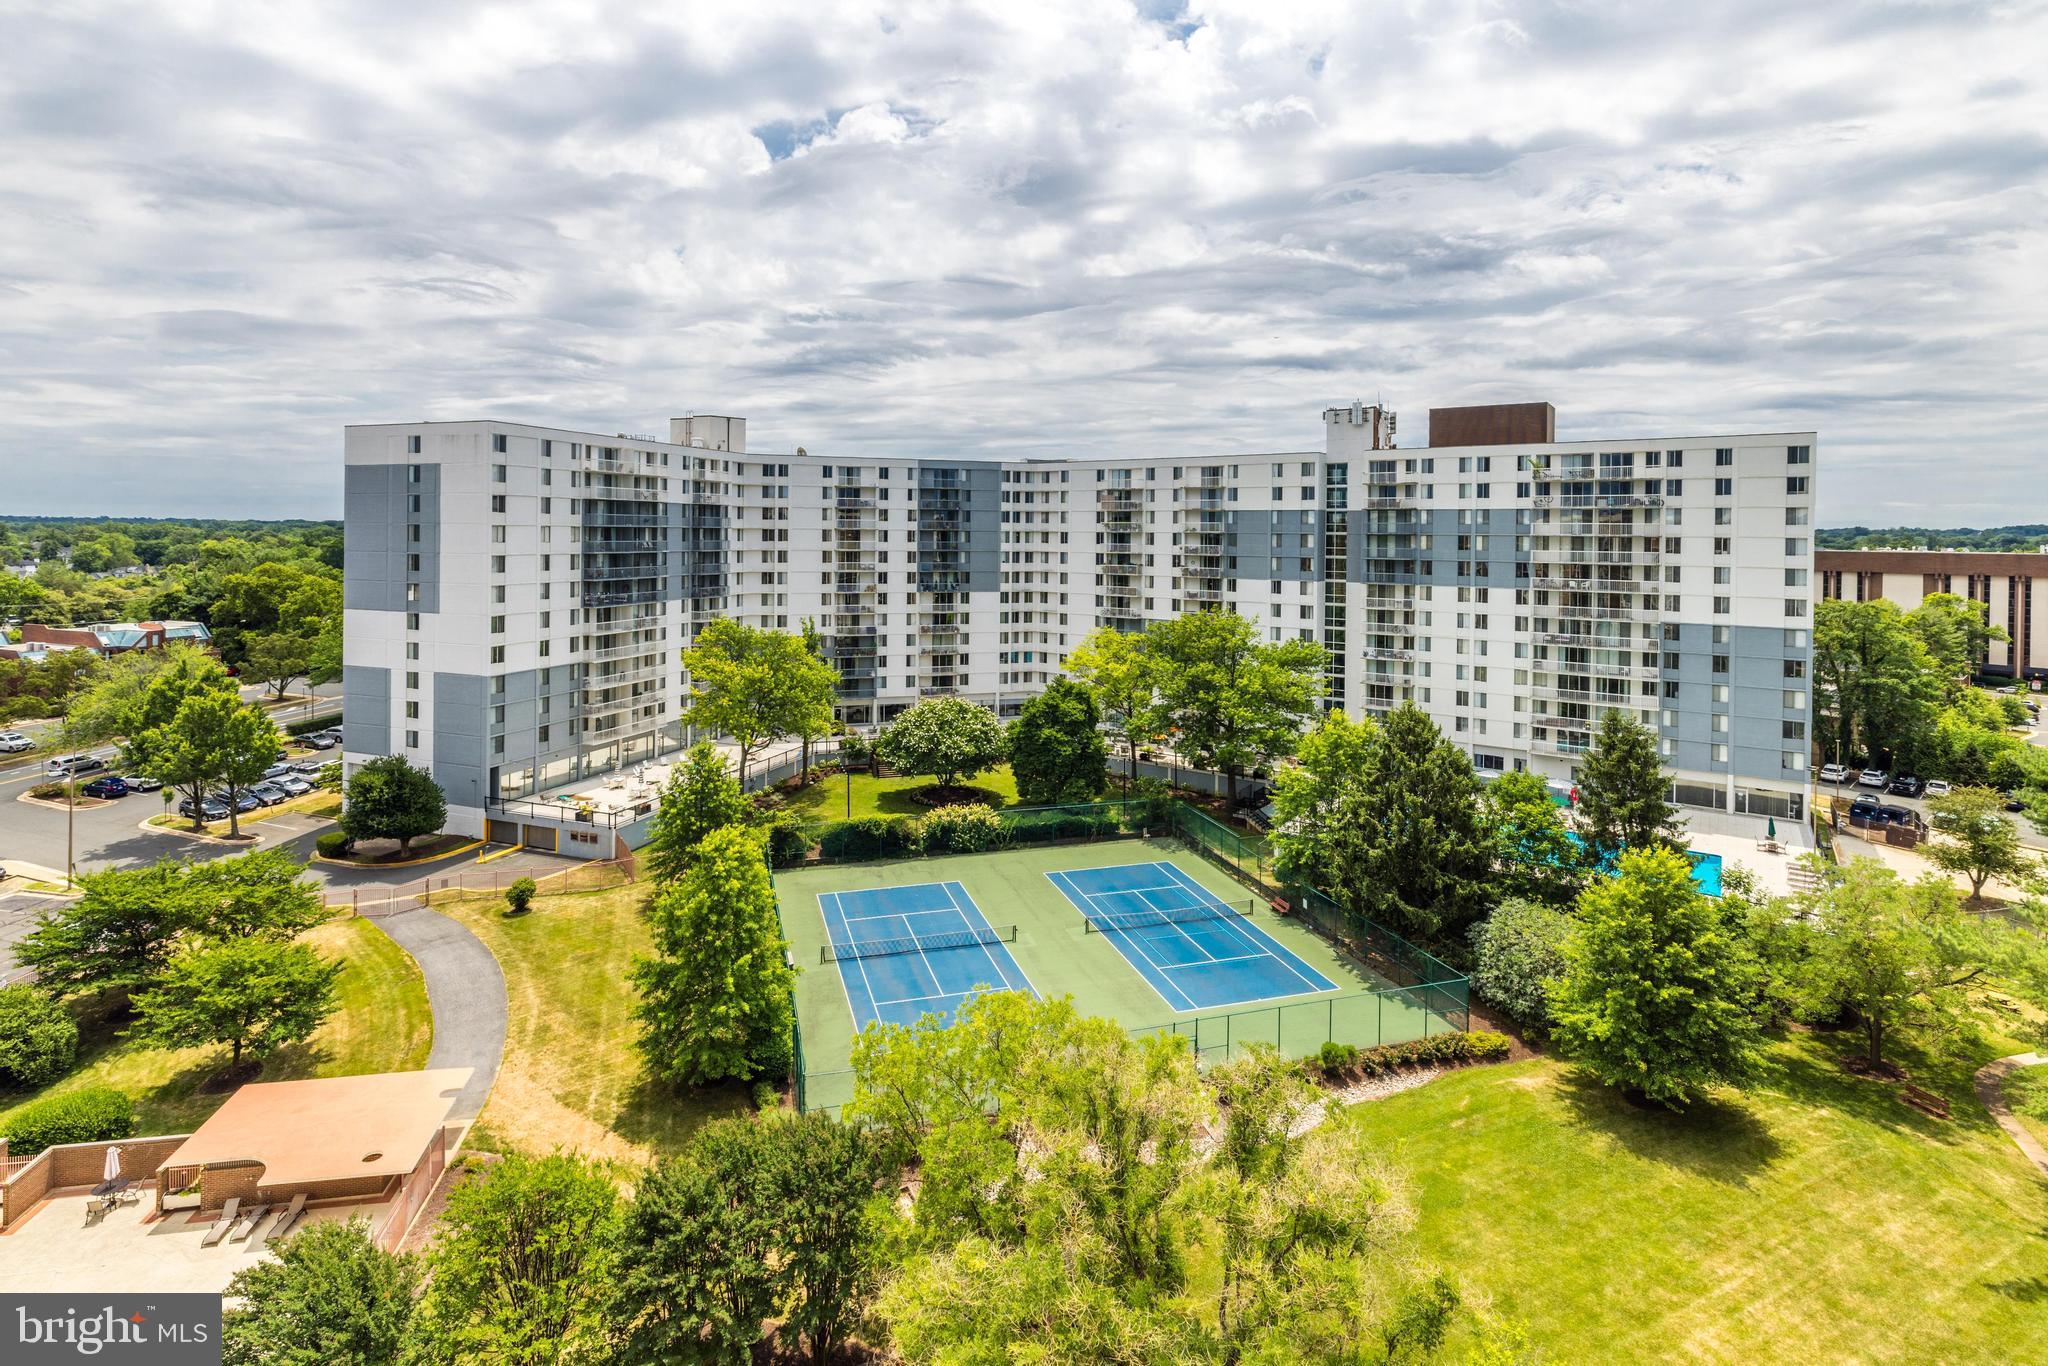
pixel 381 899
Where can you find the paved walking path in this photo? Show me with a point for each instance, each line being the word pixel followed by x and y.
pixel 1990 1081
pixel 466 990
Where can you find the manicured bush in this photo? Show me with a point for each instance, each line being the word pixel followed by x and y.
pixel 868 837
pixel 309 724
pixel 89 1116
pixel 47 792
pixel 1518 951
pixel 1335 1057
pixel 333 844
pixel 38 1037
pixel 961 830
pixel 519 896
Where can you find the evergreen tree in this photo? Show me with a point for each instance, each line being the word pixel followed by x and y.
pixel 1056 751
pixel 1658 986
pixel 701 795
pixel 1624 793
pixel 715 997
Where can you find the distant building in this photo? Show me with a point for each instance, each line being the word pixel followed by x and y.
pixel 106 638
pixel 2010 583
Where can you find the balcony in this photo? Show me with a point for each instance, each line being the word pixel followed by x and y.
pixel 1617 669
pixel 1385 652
pixel 1193 594
pixel 942 641
pixel 1569 744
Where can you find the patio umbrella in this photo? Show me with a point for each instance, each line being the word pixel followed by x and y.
pixel 1771 828
pixel 111 1169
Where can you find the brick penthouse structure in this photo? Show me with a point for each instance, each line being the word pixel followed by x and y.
pixel 2011 584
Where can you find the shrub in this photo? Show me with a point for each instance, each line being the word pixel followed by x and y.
pixel 868 837
pixel 328 779
pixel 519 896
pixel 766 1096
pixel 1438 1050
pixel 1336 1057
pixel 333 844
pixel 1043 827
pixel 89 1116
pixel 38 1037
pixel 1518 951
pixel 788 843
pixel 308 725
pixel 1153 801
pixel 961 830
pixel 47 792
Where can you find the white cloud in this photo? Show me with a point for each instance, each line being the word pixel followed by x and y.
pixel 1070 226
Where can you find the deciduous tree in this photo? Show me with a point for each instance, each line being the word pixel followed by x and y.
pixel 1973 837
pixel 1657 989
pixel 1874 684
pixel 715 996
pixel 389 799
pixel 756 686
pixel 947 738
pixel 1056 749
pixel 1236 701
pixel 1115 668
pixel 329 1297
pixel 213 739
pixel 264 894
pixel 701 795
pixel 521 1268
pixel 253 995
pixel 1518 952
pixel 1534 854
pixel 117 935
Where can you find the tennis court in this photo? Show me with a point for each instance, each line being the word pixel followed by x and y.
pixel 1195 949
pixel 903 952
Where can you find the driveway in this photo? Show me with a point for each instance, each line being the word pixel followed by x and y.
pixel 467 993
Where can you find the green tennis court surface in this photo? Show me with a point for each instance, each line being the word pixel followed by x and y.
pixel 1054 953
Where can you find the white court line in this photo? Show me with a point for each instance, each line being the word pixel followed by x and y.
pixel 987 955
pixel 1280 958
pixel 1147 957
pixel 845 988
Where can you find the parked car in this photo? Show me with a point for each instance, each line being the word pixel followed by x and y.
pixel 1834 773
pixel 209 809
pixel 1937 788
pixel 243 801
pixel 1906 785
pixel 14 742
pixel 270 794
pixel 141 782
pixel 70 765
pixel 1875 778
pixel 277 770
pixel 109 786
pixel 309 768
pixel 318 741
pixel 293 784
pixel 1899 815
pixel 1864 806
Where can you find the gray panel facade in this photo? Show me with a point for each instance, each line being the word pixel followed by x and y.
pixel 366 708
pixel 1268 545
pixel 461 737
pixel 382 528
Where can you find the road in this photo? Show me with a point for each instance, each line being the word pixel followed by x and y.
pixel 2029 836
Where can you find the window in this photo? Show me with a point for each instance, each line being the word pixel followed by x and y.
pixel 1795 607
pixel 1724 545
pixel 412 739
pixel 497 441
pixel 1720 664
pixel 1792 730
pixel 1722 606
pixel 1795 547
pixel 412 445
pixel 412 474
pixel 1795 483
pixel 412 621
pixel 1674 488
pixel 1799 455
pixel 497 502
pixel 1798 516
pixel 1723 487
pixel 497 654
pixel 412 711
pixel 497 626
pixel 1795 668
pixel 1724 456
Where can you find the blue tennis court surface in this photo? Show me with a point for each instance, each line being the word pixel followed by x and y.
pixel 1206 954
pixel 933 978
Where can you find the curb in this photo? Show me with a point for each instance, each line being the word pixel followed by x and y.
pixel 405 863
pixel 498 854
pixel 249 840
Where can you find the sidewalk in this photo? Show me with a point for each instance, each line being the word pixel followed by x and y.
pixel 1990 1086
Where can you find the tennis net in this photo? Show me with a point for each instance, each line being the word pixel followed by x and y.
pixel 884 948
pixel 1097 922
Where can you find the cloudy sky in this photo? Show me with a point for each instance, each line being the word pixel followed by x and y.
pixel 1053 227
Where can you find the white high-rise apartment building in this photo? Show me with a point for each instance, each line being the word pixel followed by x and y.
pixel 517 596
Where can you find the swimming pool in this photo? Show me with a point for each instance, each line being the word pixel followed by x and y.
pixel 1706 867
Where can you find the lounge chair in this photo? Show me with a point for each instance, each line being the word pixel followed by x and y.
pixel 249 1222
pixel 287 1219
pixel 224 1223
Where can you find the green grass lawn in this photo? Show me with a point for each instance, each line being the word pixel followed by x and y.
pixel 383 1025
pixel 2026 1091
pixel 825 800
pixel 572 1077
pixel 1815 1218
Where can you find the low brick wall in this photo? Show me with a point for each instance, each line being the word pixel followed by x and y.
pixel 74 1165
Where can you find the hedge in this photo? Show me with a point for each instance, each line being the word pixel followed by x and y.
pixel 962 829
pixel 89 1116
pixel 1043 827
pixel 307 725
pixel 866 837
pixel 1438 1050
pixel 333 844
pixel 788 845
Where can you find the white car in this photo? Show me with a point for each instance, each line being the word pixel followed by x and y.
pixel 1834 773
pixel 1937 788
pixel 14 742
pixel 1874 777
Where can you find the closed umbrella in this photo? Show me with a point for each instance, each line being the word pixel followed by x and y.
pixel 1771 832
pixel 111 1170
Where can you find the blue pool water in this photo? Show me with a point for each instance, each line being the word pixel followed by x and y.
pixel 1706 868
